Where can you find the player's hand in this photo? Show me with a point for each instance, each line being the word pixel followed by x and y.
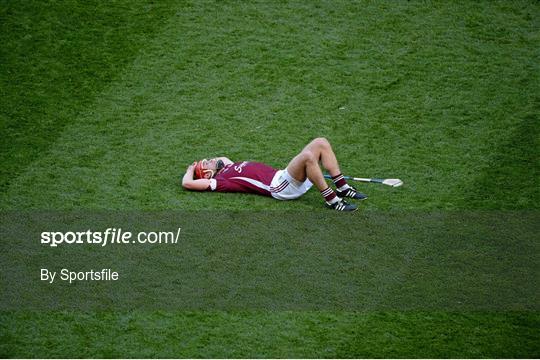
pixel 192 166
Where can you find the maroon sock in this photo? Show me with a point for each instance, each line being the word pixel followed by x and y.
pixel 339 180
pixel 329 195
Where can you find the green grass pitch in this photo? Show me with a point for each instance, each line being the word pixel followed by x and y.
pixel 104 104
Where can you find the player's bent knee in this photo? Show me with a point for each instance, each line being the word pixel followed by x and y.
pixel 321 142
pixel 309 157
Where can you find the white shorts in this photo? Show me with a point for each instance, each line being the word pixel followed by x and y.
pixel 285 187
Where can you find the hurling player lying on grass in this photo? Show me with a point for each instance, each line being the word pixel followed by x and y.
pixel 222 174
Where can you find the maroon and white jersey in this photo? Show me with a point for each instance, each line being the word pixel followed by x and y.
pixel 246 177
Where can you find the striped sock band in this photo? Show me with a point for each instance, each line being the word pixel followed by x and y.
pixel 329 195
pixel 340 182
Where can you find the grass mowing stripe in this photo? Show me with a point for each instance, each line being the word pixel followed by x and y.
pixel 510 177
pixel 55 58
pixel 270 334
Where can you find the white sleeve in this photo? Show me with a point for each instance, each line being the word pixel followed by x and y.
pixel 213 184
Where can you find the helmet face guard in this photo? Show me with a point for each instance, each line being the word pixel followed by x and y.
pixel 220 165
pixel 200 171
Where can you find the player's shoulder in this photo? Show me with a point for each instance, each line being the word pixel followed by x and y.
pixel 225 171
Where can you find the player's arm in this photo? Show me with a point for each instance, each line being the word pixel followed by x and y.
pixel 189 183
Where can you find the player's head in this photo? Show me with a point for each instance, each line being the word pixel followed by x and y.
pixel 204 169
pixel 207 169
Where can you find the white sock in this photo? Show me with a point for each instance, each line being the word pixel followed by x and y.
pixel 334 200
pixel 344 187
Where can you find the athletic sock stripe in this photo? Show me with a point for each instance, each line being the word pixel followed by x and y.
pixel 339 177
pixel 327 192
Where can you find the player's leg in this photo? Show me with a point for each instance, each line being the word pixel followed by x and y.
pixel 330 163
pixel 321 150
pixel 306 165
pixel 307 161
